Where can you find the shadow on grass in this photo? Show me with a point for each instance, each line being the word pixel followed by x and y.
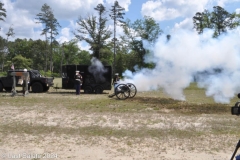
pixel 72 92
pixel 152 100
pixel 182 106
pixel 143 132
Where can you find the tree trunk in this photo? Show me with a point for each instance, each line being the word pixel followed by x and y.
pixel 46 51
pixel 51 59
pixel 114 45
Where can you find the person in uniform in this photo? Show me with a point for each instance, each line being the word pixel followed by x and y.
pixel 25 81
pixel 78 82
pixel 115 81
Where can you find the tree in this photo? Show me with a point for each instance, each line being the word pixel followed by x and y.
pixel 47 18
pixel 94 32
pixel 117 13
pixel 32 49
pixel 2 51
pixel 219 20
pixel 147 29
pixel 101 28
pixel 202 20
pixel 36 51
pixel 21 62
pixel 5 49
pixel 234 20
pixel 168 37
pixel 135 33
pixel 198 22
pixel 70 52
pixel 2 12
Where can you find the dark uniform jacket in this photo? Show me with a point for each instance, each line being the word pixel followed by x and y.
pixel 78 79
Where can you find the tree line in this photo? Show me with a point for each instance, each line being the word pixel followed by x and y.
pixel 219 20
pixel 125 52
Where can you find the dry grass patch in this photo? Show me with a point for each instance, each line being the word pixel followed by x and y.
pixel 150 124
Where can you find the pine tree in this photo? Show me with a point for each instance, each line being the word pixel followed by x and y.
pixel 116 15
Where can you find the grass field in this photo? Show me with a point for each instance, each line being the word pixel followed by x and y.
pixel 149 126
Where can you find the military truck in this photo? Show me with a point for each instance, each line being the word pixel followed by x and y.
pixel 37 83
pixel 96 79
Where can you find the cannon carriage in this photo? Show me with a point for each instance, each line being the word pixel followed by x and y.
pixel 124 91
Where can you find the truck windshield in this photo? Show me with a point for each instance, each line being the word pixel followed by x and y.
pixel 36 74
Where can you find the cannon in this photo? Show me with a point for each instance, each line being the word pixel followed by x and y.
pixel 124 91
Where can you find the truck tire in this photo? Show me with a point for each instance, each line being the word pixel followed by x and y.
pixel 45 89
pixel 88 89
pixel 8 89
pixel 1 87
pixel 37 87
pixel 98 90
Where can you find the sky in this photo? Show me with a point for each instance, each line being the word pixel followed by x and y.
pixel 179 62
pixel 170 14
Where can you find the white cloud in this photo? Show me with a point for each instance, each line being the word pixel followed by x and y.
pixel 223 3
pixel 237 10
pixel 20 20
pixel 62 9
pixel 66 35
pixel 170 9
pixel 83 46
pixel 186 24
pixel 21 15
pixel 123 3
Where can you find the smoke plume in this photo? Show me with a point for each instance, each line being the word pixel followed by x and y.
pixel 214 63
pixel 97 70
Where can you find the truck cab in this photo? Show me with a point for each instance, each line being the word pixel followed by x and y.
pixel 37 82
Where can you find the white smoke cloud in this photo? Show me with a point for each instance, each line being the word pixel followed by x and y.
pixel 179 62
pixel 97 69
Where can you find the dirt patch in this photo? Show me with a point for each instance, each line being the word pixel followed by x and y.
pixel 90 127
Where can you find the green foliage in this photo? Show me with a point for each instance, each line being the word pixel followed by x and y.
pixel 219 20
pixel 94 31
pixel 116 14
pixel 70 51
pixel 202 20
pixel 84 58
pixel 3 43
pixel 148 30
pixel 3 74
pixel 50 55
pixel 21 62
pixel 47 18
pixel 49 74
pixel 2 12
pixel 34 50
pixel 51 24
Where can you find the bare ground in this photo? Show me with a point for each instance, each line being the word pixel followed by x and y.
pixel 94 127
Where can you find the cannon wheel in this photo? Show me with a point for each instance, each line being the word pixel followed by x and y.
pixel 133 90
pixel 122 91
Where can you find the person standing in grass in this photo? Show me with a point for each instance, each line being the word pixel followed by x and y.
pixel 78 82
pixel 115 81
pixel 25 85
